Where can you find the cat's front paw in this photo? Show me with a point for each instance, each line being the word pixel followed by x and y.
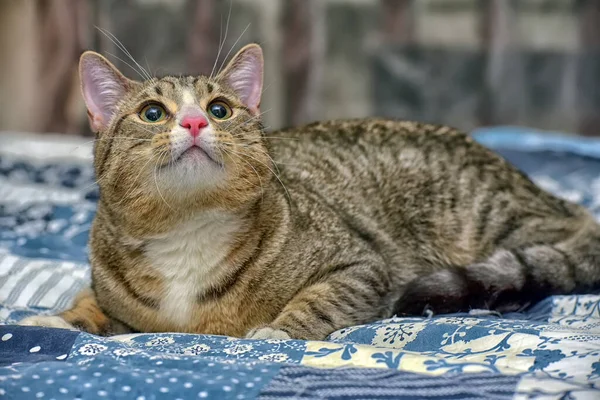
pixel 267 332
pixel 48 321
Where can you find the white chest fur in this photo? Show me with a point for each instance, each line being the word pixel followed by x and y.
pixel 188 257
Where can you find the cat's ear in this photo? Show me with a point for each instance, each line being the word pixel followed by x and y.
pixel 244 74
pixel 103 86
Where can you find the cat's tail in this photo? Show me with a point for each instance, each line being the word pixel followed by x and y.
pixel 510 279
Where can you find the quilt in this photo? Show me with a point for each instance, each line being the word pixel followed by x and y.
pixel 47 202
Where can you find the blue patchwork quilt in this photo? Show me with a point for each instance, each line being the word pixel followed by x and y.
pixel 47 200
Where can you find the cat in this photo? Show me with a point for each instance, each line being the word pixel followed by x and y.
pixel 208 224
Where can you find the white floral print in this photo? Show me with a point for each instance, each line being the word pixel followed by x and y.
pixel 275 357
pixel 161 341
pixel 197 349
pixel 238 349
pixel 274 341
pixel 125 352
pixel 91 349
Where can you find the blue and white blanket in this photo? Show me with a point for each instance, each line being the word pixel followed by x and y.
pixel 47 201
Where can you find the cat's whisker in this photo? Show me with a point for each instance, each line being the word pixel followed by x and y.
pixel 255 118
pixel 259 115
pixel 221 157
pixel 128 53
pixel 267 87
pixel 148 65
pixel 232 47
pixel 97 181
pixel 151 132
pixel 222 153
pixel 126 63
pixel 270 169
pixel 221 43
pixel 126 138
pixel 107 138
pixel 249 120
pixel 122 47
pixel 142 169
pixel 121 170
pixel 280 138
pixel 265 152
pixel 99 139
pixel 156 182
pixel 262 190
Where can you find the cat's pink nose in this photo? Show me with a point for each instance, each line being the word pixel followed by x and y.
pixel 194 124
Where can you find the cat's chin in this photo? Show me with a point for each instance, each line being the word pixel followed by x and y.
pixel 193 169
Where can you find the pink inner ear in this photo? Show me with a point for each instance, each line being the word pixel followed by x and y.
pixel 103 88
pixel 245 76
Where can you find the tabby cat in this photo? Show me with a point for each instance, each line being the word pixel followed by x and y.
pixel 207 224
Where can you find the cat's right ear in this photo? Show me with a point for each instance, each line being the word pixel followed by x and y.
pixel 244 74
pixel 103 86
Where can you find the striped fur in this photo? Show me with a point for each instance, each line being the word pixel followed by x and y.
pixel 513 277
pixel 301 232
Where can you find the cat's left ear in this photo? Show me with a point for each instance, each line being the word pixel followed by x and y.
pixel 102 86
pixel 244 74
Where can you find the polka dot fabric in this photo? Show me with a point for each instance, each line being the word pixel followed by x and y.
pixel 34 344
pixel 137 367
pixel 106 378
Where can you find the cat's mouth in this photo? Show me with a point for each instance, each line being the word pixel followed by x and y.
pixel 191 168
pixel 196 154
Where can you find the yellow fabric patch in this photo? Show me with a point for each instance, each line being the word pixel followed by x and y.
pixel 502 353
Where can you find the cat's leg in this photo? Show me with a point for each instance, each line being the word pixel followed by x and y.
pixel 512 278
pixel 85 315
pixel 353 295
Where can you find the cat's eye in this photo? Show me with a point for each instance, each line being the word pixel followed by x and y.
pixel 219 110
pixel 153 113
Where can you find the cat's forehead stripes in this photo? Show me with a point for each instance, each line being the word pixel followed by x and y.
pixel 183 91
pixel 170 81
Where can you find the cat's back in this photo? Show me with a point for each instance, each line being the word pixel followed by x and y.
pixel 395 157
pixel 377 154
pixel 413 182
pixel 375 141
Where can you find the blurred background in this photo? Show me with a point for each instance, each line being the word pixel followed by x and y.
pixel 466 63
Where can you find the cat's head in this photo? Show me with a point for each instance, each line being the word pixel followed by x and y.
pixel 173 142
